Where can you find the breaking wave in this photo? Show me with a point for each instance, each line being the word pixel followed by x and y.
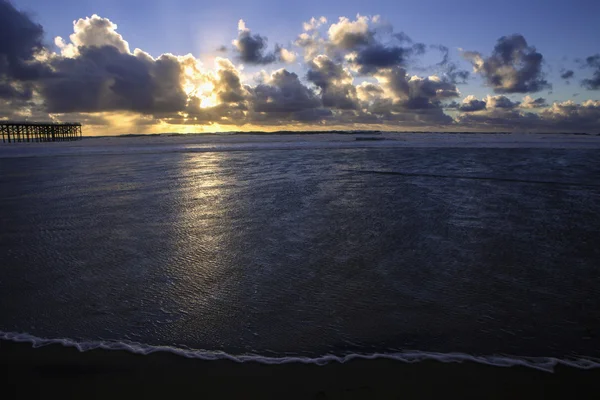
pixel 541 363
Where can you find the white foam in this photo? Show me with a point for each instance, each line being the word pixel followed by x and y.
pixel 546 364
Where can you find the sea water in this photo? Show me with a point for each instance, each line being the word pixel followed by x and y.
pixel 303 252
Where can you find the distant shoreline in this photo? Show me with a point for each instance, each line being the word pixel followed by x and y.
pixel 374 132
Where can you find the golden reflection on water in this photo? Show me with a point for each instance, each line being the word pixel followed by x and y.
pixel 199 267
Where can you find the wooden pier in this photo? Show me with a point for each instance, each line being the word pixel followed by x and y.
pixel 16 132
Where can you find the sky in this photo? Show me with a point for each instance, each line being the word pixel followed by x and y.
pixel 188 66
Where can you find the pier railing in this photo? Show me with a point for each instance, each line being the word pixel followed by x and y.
pixel 15 132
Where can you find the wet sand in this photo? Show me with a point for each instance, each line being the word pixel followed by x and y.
pixel 61 371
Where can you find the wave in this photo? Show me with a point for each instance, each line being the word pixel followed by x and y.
pixel 547 364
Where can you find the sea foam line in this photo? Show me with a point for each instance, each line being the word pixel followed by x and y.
pixel 546 364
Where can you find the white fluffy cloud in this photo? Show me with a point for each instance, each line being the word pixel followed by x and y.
pixel 92 31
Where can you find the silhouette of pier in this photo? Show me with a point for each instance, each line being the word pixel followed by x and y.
pixel 17 132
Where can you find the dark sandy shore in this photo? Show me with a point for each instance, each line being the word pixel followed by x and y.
pixel 67 373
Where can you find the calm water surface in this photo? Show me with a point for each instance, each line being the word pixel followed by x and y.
pixel 307 252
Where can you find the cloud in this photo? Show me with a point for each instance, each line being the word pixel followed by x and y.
pixel 412 99
pixel 471 104
pixel 310 43
pixel 310 40
pixel 567 74
pixel 361 42
pixel 565 116
pixel 513 67
pixel 334 82
pixel 105 79
pixel 450 69
pixel 403 37
pixel 20 46
pixel 490 103
pixel 500 102
pixel 500 119
pixel 96 72
pixel 370 59
pixel 594 63
pixel 285 55
pixel 354 73
pixel 92 31
pixel 251 49
pixel 571 116
pixel 348 35
pixel 413 91
pixel 368 44
pixel 227 84
pixel 314 23
pixel 283 97
pixel 530 102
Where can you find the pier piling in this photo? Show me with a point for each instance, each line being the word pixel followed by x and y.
pixel 16 132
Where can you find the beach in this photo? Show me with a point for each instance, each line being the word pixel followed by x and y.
pixel 67 373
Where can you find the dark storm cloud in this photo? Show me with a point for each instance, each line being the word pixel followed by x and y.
pixel 594 63
pixel 513 67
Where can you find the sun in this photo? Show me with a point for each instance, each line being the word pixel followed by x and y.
pixel 198 85
pixel 207 95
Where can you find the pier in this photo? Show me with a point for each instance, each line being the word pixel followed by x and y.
pixel 17 132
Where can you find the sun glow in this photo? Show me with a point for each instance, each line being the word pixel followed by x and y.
pixel 207 95
pixel 198 83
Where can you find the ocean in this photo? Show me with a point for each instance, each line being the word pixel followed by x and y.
pixel 310 249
